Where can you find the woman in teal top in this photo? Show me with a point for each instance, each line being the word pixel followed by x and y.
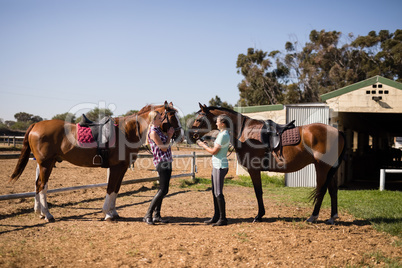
pixel 220 168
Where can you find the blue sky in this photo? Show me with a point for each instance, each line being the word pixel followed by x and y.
pixel 69 56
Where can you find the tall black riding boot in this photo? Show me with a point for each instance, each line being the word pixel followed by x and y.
pixel 222 211
pixel 157 213
pixel 148 216
pixel 214 218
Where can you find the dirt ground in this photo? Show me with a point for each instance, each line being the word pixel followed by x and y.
pixel 80 237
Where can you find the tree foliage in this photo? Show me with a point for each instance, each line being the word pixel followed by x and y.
pixel 23 121
pixel 69 117
pixel 219 103
pixel 23 117
pixel 130 112
pixel 97 114
pixel 300 75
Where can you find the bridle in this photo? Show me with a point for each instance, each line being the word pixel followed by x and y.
pixel 196 135
pixel 166 117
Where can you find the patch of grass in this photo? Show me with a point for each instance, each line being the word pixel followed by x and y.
pixel 267 181
pixel 242 237
pixel 377 258
pixel 383 209
pixel 197 183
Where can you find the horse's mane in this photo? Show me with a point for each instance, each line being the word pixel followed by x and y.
pixel 147 108
pixel 222 109
pixel 229 111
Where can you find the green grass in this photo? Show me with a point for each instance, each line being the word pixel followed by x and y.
pixel 382 209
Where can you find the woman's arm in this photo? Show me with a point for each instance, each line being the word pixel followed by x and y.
pixel 158 141
pixel 213 150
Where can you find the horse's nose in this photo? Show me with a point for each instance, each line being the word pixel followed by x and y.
pixel 196 136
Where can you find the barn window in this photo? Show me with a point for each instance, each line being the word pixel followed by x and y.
pixel 373 92
pixel 367 91
pixel 379 85
pixel 380 91
pixel 374 86
pixel 385 91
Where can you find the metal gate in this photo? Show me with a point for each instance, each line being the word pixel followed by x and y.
pixel 305 114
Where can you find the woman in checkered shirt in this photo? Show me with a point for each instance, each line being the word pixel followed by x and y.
pixel 162 159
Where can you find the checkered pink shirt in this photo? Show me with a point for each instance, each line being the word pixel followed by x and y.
pixel 159 155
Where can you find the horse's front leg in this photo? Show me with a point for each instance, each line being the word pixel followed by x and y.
pixel 256 179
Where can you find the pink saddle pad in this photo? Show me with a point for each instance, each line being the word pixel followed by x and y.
pixel 84 134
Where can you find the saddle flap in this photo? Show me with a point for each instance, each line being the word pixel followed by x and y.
pixel 270 137
pixel 271 133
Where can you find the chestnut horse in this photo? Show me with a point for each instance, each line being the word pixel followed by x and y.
pixel 321 145
pixel 53 141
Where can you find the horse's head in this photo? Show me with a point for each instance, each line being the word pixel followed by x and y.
pixel 203 124
pixel 171 119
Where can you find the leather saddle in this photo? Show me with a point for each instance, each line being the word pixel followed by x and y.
pixel 103 133
pixel 271 133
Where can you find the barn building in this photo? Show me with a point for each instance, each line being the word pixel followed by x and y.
pixel 368 112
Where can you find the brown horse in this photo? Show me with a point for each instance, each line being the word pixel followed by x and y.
pixel 53 141
pixel 321 145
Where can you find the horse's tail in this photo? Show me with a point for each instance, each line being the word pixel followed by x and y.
pixel 316 193
pixel 24 156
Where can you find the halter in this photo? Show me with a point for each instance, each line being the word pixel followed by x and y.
pixel 169 124
pixel 230 150
pixel 168 121
pixel 195 135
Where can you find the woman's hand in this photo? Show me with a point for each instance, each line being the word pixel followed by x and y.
pixel 212 151
pixel 200 143
pixel 170 132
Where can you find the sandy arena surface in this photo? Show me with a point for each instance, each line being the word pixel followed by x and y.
pixel 80 237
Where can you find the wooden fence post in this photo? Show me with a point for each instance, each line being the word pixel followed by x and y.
pixel 193 167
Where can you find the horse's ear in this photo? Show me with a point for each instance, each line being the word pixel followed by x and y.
pixel 166 105
pixel 203 108
pixel 171 105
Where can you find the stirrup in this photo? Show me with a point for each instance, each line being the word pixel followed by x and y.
pixel 97 160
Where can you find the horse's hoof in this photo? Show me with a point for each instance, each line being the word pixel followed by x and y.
pixel 312 219
pixel 111 218
pixel 50 220
pixel 331 221
pixel 257 219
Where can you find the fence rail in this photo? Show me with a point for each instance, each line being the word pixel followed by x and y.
pixel 382 175
pixel 74 188
pixel 12 140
